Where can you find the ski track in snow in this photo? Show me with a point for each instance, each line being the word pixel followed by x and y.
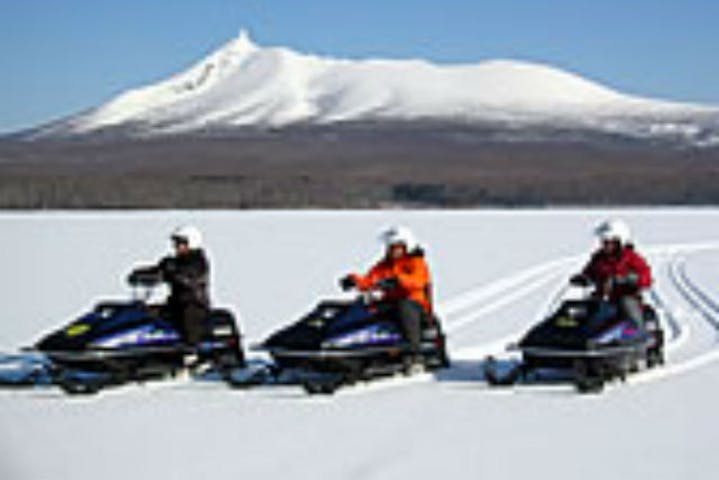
pixel 701 305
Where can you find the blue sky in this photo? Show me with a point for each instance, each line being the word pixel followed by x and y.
pixel 59 57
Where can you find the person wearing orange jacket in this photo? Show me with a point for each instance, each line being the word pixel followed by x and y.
pixel 404 278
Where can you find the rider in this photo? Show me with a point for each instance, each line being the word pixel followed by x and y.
pixel 187 273
pixel 617 272
pixel 404 277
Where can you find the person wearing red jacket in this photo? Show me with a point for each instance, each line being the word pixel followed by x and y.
pixel 404 278
pixel 618 273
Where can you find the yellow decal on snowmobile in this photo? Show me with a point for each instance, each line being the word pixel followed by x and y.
pixel 77 329
pixel 566 322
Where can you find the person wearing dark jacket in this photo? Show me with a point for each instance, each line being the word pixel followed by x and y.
pixel 187 274
pixel 404 277
pixel 618 273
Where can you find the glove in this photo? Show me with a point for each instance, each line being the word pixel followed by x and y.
pixel 143 277
pixel 132 278
pixel 347 283
pixel 629 280
pixel 388 284
pixel 579 280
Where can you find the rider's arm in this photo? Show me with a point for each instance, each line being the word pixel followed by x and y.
pixel 590 271
pixel 368 281
pixel 416 278
pixel 144 276
pixel 187 275
pixel 167 267
pixel 586 276
pixel 643 271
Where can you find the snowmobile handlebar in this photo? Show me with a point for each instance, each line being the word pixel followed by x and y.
pixel 143 281
pixel 378 290
pixel 347 283
pixel 369 297
pixel 579 280
pixel 561 294
pixel 144 278
pixel 606 288
pixel 387 284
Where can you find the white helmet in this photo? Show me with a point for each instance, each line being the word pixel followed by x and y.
pixel 398 235
pixel 614 230
pixel 188 234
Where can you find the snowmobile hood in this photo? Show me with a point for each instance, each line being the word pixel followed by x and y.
pixel 110 325
pixel 580 325
pixel 336 324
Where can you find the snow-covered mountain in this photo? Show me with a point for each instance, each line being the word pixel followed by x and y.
pixel 242 84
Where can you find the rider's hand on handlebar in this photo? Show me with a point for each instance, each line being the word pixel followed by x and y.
pixel 579 280
pixel 388 284
pixel 629 280
pixel 347 283
pixel 143 278
pixel 132 279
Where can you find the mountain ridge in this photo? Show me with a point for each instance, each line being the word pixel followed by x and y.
pixel 244 85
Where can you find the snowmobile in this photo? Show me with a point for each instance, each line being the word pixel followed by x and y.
pixel 119 342
pixel 586 341
pixel 342 342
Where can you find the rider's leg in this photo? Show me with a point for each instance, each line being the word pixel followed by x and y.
pixel 193 323
pixel 631 306
pixel 410 314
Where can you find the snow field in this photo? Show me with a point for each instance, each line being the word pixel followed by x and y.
pixel 496 272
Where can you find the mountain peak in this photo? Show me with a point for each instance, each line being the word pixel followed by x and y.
pixel 241 44
pixel 243 84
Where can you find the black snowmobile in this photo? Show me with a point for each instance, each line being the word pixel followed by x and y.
pixel 119 342
pixel 342 342
pixel 586 341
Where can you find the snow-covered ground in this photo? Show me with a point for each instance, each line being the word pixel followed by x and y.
pixel 495 272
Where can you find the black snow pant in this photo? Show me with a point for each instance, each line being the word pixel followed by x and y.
pixel 190 320
pixel 631 306
pixel 410 315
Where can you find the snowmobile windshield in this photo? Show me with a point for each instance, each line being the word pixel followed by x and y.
pixel 357 313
